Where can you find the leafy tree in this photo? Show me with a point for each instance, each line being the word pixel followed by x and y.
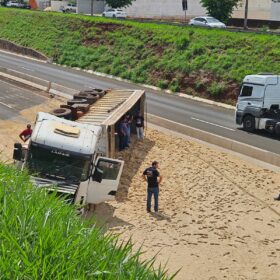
pixel 220 9
pixel 119 3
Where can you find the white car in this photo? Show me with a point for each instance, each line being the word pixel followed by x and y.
pixel 70 8
pixel 114 13
pixel 206 22
pixel 14 4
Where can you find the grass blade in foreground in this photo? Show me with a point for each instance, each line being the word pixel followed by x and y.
pixel 42 238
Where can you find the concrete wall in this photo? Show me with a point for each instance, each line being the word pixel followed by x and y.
pixel 275 10
pixel 258 9
pixel 55 5
pixel 84 6
pixel 12 47
pixel 164 9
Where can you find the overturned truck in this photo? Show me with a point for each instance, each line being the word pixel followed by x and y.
pixel 72 149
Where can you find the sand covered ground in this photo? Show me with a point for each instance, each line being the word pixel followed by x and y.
pixel 10 129
pixel 217 219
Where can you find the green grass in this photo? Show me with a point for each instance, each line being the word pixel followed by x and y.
pixel 145 52
pixel 41 237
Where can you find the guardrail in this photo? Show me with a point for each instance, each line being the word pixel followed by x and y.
pixel 41 84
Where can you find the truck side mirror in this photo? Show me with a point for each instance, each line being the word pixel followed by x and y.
pixel 97 175
pixel 17 154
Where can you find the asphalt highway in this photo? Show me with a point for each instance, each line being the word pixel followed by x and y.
pixel 188 112
pixel 14 98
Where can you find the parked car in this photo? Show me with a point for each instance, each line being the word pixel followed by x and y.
pixel 70 8
pixel 114 13
pixel 15 4
pixel 207 22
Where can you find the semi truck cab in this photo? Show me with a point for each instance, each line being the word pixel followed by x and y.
pixel 258 105
pixel 63 155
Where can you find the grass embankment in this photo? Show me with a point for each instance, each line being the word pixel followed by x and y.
pixel 42 238
pixel 209 63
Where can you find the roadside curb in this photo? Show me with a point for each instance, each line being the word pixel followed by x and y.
pixel 217 140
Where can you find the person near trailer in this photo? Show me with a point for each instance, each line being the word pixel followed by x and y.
pixel 123 134
pixel 152 176
pixel 26 133
pixel 139 123
pixel 129 119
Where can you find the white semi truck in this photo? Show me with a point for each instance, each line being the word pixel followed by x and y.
pixel 258 105
pixel 71 157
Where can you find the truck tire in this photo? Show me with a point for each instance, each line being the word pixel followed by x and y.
pixel 77 101
pixel 62 113
pixel 97 91
pixel 90 98
pixel 93 92
pixel 277 129
pixel 249 123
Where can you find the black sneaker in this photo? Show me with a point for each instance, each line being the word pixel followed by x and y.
pixel 277 198
pixel 148 210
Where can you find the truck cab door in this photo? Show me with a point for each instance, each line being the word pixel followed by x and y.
pixel 104 181
pixel 251 96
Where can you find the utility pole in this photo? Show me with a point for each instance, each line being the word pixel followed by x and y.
pixel 246 15
pixel 91 7
pixel 185 8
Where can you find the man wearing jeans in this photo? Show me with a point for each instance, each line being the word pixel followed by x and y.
pixel 152 176
pixel 139 123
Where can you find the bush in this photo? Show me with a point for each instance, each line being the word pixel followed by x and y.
pixel 216 88
pixel 163 84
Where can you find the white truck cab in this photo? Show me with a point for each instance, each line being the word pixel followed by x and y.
pixel 63 155
pixel 258 105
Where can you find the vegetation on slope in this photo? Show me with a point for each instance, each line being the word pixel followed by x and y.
pixel 209 63
pixel 41 237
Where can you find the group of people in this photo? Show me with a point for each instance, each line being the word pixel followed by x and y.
pixel 125 129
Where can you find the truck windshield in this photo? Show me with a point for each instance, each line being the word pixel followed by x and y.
pixel 46 162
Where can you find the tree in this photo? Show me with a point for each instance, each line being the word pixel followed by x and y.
pixel 119 3
pixel 220 9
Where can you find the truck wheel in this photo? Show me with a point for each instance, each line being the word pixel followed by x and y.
pixel 90 98
pixel 249 123
pixel 277 129
pixel 62 113
pixel 77 101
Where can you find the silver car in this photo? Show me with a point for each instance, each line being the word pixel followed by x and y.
pixel 114 13
pixel 206 22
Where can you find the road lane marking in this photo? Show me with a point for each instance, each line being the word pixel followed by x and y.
pixel 213 124
pixel 6 105
pixel 28 69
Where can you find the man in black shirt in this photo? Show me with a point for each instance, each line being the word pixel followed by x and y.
pixel 139 123
pixel 152 176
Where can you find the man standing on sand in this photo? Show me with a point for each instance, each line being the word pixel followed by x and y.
pixel 152 176
pixel 26 133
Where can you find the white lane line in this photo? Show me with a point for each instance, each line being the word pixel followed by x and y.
pixel 6 105
pixel 28 69
pixel 213 124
